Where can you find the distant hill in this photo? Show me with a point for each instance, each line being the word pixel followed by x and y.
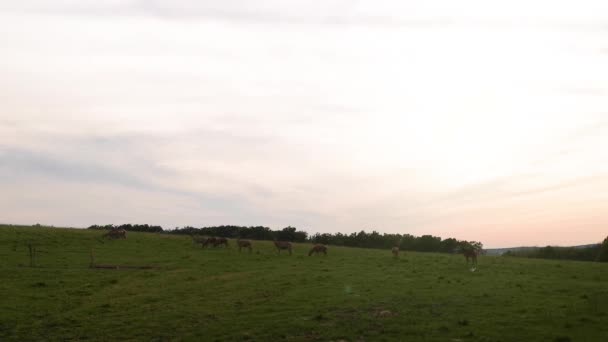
pixel 501 251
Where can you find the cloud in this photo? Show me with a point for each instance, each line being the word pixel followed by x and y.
pixel 19 163
pixel 143 162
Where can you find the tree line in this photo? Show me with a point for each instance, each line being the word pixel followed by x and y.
pixel 130 227
pixel 424 243
pixel 254 233
pixel 363 239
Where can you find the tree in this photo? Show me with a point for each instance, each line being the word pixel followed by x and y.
pixel 603 256
pixel 408 242
pixel 471 245
pixel 449 245
pixel 428 243
pixel 286 234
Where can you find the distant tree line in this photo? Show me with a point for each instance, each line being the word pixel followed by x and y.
pixel 424 243
pixel 255 233
pixel 131 227
pixel 597 252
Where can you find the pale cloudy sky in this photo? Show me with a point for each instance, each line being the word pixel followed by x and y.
pixel 483 120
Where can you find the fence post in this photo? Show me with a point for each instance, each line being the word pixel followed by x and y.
pixel 32 251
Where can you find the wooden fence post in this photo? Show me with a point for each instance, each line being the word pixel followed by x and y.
pixel 32 250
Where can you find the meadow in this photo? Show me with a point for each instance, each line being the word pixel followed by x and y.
pixel 217 294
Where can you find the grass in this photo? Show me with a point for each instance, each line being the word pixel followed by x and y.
pixel 221 295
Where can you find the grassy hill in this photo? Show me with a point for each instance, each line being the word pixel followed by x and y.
pixel 220 295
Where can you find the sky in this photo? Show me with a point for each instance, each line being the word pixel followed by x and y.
pixel 479 120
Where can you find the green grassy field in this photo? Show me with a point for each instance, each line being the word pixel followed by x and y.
pixel 221 295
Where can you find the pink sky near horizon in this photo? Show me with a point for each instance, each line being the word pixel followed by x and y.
pixel 476 121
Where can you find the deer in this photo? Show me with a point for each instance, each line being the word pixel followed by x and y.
pixel 280 245
pixel 243 244
pixel 316 249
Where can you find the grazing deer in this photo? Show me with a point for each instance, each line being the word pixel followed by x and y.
pixel 116 234
pixel 318 249
pixel 283 245
pixel 395 251
pixel 243 244
pixel 220 241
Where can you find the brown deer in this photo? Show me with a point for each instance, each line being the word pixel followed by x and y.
pixel 470 254
pixel 280 245
pixel 243 244
pixel 115 233
pixel 318 249
pixel 395 251
pixel 220 241
pixel 470 251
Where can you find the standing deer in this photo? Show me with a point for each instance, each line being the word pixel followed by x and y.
pixel 280 245
pixel 395 251
pixel 470 254
pixel 243 244
pixel 470 251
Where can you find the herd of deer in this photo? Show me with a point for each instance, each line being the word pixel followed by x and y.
pixel 470 254
pixel 116 233
pixel 280 245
